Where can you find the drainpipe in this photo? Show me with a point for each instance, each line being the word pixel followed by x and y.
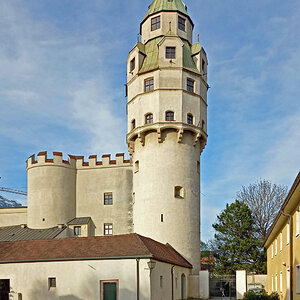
pixel 172 282
pixel 291 252
pixel 137 279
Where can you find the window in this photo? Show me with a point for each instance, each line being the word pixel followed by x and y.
pixel 108 229
pixel 149 119
pixel 155 23
pixel 298 279
pixel 170 52
pixel 77 230
pixel 190 119
pixel 287 233
pixel 198 167
pixel 297 222
pixel 272 250
pixel 161 279
pixel 190 85
pixel 181 23
pixel 203 65
pixel 149 84
pixel 272 283
pixel 280 282
pixel 275 282
pixel 275 247
pixel 51 282
pixel 108 199
pixel 203 124
pixel 162 218
pixel 109 289
pixel 136 166
pixel 132 124
pixel 132 64
pixel 178 192
pixel 280 242
pixel 169 116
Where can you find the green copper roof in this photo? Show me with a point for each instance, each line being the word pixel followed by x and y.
pixel 159 5
pixel 150 62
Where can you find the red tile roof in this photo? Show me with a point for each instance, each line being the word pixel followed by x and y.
pixel 100 247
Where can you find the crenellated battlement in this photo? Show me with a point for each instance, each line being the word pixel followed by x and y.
pixel 76 162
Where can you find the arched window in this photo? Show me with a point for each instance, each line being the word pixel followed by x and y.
pixel 190 119
pixel 169 116
pixel 183 287
pixel 132 124
pixel 148 118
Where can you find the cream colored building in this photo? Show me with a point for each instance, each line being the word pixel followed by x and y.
pixel 283 248
pixel 156 193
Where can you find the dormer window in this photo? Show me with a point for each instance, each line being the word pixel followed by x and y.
pixel 149 84
pixel 155 23
pixel 169 116
pixel 181 23
pixel 170 52
pixel 132 64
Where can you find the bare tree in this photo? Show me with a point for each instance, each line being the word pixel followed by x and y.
pixel 264 199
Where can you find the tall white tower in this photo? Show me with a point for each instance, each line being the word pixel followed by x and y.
pixel 167 121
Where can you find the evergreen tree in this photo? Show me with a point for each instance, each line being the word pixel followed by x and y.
pixel 235 243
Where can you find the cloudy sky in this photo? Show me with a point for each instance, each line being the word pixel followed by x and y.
pixel 62 74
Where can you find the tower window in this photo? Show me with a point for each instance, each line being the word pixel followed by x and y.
pixel 190 119
pixel 108 199
pixel 132 64
pixel 181 23
pixel 178 192
pixel 198 167
pixel 162 218
pixel 203 124
pixel 108 229
pixel 190 85
pixel 170 52
pixel 51 282
pixel 169 116
pixel 149 84
pixel 155 23
pixel 136 166
pixel 132 124
pixel 203 65
pixel 77 230
pixel 149 119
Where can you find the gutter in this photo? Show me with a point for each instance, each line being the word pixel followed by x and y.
pixel 137 279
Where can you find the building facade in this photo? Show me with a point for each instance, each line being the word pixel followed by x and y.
pixel 283 248
pixel 156 193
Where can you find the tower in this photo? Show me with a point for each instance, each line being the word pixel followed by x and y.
pixel 167 121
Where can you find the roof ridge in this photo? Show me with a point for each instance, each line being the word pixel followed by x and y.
pixel 142 242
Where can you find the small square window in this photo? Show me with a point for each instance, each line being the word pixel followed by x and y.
pixel 108 199
pixel 149 84
pixel 190 85
pixel 155 23
pixel 178 192
pixel 108 229
pixel 132 64
pixel 51 282
pixel 77 230
pixel 181 23
pixel 170 52
pixel 169 116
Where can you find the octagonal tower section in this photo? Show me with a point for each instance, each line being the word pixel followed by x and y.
pixel 167 123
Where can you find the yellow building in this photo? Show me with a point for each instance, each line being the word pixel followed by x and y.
pixel 283 247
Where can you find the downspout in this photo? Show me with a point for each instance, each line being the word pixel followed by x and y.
pixel 291 252
pixel 137 279
pixel 172 282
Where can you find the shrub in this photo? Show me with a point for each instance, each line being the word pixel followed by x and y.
pixel 254 296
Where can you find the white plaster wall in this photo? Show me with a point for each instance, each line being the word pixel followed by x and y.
pixel 91 186
pixel 241 284
pixel 162 166
pixel 10 216
pixel 204 284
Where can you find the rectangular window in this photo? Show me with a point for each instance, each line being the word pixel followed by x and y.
pixel 298 279
pixel 136 166
pixel 190 85
pixel 280 282
pixel 108 199
pixel 155 23
pixel 181 23
pixel 77 230
pixel 149 119
pixel 272 283
pixel 198 167
pixel 149 84
pixel 275 247
pixel 51 282
pixel 272 250
pixel 275 282
pixel 190 119
pixel 132 64
pixel 170 52
pixel 169 116
pixel 161 281
pixel 297 222
pixel 203 65
pixel 162 218
pixel 287 233
pixel 178 192
pixel 109 289
pixel 280 245
pixel 108 229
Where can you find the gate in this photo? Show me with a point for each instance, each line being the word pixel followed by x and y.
pixel 222 283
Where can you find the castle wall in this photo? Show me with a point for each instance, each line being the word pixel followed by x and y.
pixel 10 216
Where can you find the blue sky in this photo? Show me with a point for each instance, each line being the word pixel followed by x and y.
pixel 62 74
